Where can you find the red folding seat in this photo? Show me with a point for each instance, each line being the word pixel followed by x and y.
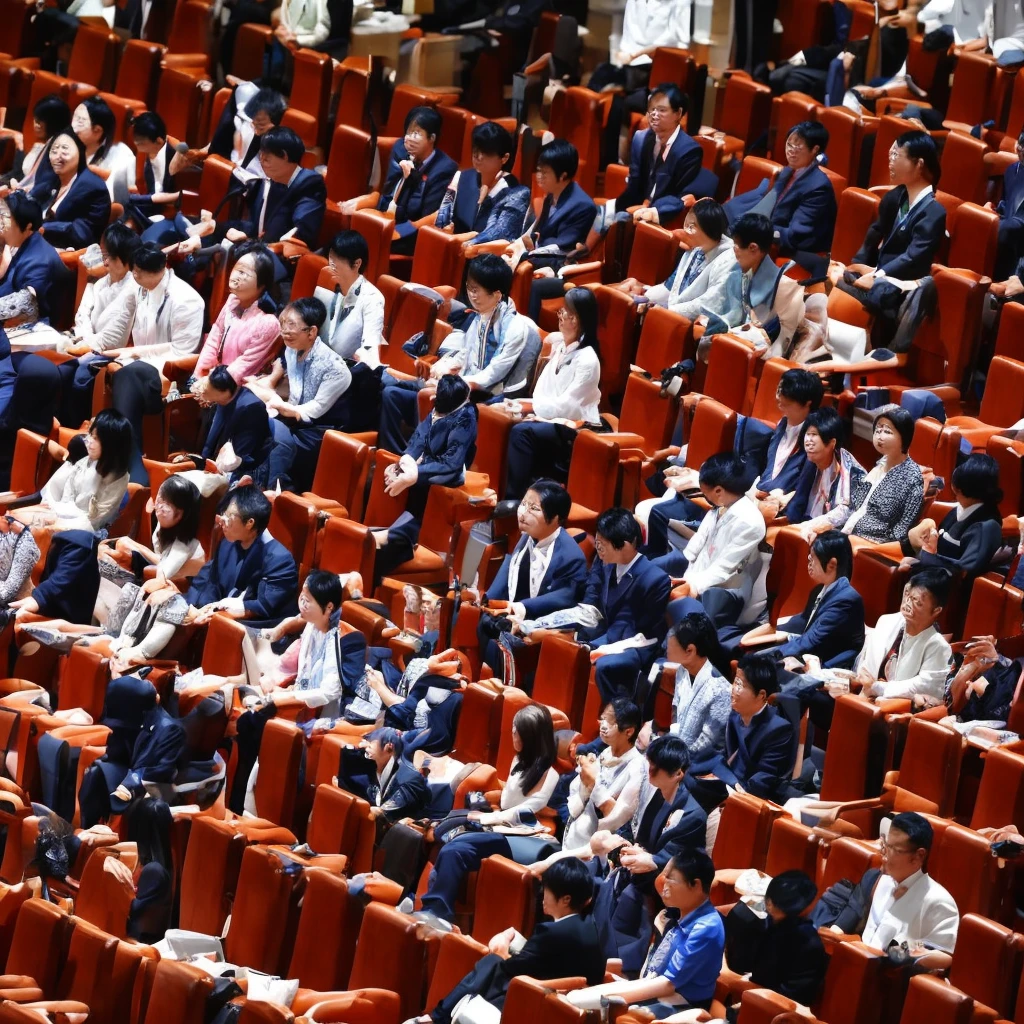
pixel 791 847
pixel 138 74
pixel 405 97
pixel 414 311
pixel 477 734
pixel 743 112
pixel 38 952
pixel 563 672
pixel 973 238
pixel 961 860
pixel 858 210
pixel 1010 337
pixel 250 51
pixel 311 91
pixel 666 338
pixel 593 478
pixel 577 114
pixel 845 858
pixel 377 229
pixel 730 377
pixel 337 831
pixel 766 405
pixel 277 781
pixel 978 94
pixel 346 546
pixel 854 986
pixel 94 57
pixel 743 831
pixel 349 166
pixel 264 1013
pixel 1000 799
pixel 712 430
pixel 209 875
pixel 617 326
pixel 788 110
pixel 883 580
pixel 987 962
pixel 754 170
pixel 847 133
pixel 339 484
pixel 931 999
pixel 190 43
pixel 456 956
pixel 889 129
pixel 506 898
pixel 963 167
pixel 381 509
pixel 1002 403
pixel 856 751
pixel 647 419
pixel 178 993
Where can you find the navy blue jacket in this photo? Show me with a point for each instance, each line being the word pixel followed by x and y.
pixel 266 579
pixel 446 446
pixel 908 251
pixel 637 604
pixel 762 761
pixel 966 546
pixel 71 577
pixel 670 178
pixel 568 222
pixel 243 422
pixel 421 194
pixel 1013 192
pixel 789 475
pixel 836 628
pixel 498 216
pixel 300 205
pixel 167 184
pixel 38 265
pixel 562 583
pixel 82 215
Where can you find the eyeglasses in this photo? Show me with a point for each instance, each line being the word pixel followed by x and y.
pixel 416 134
pixel 534 509
pixel 565 314
pixel 230 516
pixel 887 848
pixel 294 329
pixel 659 111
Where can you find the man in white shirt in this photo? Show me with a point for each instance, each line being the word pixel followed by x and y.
pixel 168 324
pixel 908 905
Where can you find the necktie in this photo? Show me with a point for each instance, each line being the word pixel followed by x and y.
pixel 263 207
pixel 693 270
pixel 745 292
pixel 523 581
pixel 787 187
pixel 890 661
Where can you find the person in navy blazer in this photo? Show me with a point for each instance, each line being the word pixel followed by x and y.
pixel 241 418
pixel 418 177
pixel 71 578
pixel 543 510
pixel 83 211
pixel 802 200
pixel 798 395
pixel 1011 217
pixel 251 575
pixel 152 143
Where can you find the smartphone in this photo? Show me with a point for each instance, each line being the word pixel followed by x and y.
pixel 1007 849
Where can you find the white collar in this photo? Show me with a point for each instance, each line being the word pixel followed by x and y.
pixel 966 513
pixel 295 174
pixel 923 194
pixel 909 882
pixel 669 144
pixel 621 570
pixel 547 542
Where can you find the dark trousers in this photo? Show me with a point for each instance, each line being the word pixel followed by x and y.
pixel 1010 247
pixel 754 27
pixel 456 860
pixel 544 288
pixel 620 675
pixel 136 392
pixel 722 606
pixel 798 78
pixel 678 509
pixel 293 457
pixel 398 416
pixel 537 450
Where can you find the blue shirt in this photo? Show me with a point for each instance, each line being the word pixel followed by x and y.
pixel 690 954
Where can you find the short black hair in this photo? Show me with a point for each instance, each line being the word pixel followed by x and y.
pixel 627 715
pixel 977 477
pixel 570 877
pixel 121 242
pixel 149 258
pixel 916 827
pixel 252 504
pixel 312 311
pixel 102 117
pixel 491 272
pixel 262 259
pixel 695 866
pixel 902 421
pixel 801 386
pixel 561 156
pixel 921 146
pixel 695 629
pixel 270 101
pixel 52 113
pixel 25 210
pixel 761 672
pixel 619 527
pixel 491 139
pixel 711 218
pixel 426 118
pixel 555 501
pixel 283 142
pixel 675 96
pixel 387 736
pixel 754 229
pixel 935 580
pixel 351 246
pixel 669 754
pixel 149 125
pixel 221 380
pixel 452 391
pixel 728 470
pixel 814 133
pixel 792 892
pixel 114 433
pixel 829 425
pixel 325 588
pixel 834 544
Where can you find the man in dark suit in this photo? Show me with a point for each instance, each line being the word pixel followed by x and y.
pixel 802 203
pixel 152 144
pixel 1011 217
pixel 544 573
pixel 241 418
pixel 567 947
pixel 667 821
pixel 391 786
pixel 251 576
pixel 71 579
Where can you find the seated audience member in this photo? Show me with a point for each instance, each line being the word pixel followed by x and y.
pixel 667 822
pixel 390 784
pixel 824 491
pixel 76 206
pixel 900 246
pixel 439 452
pixel 302 24
pixel 604 792
pixel 545 572
pixel 682 969
pixel 706 276
pixel 569 388
pixel 168 325
pixel 239 438
pixel 831 626
pixel 981 689
pixel 486 199
pixel 417 178
pixel 19 553
pixel 969 536
pixel 493 347
pixel 1011 219
pixel 801 205
pixel 622 613
pixel 316 377
pixel 531 782
pixel 160 186
pixel 94 123
pixel 251 576
pixel 908 905
pixel 783 951
pixel 245 333
pixel 355 309
pixel 33 280
pixel 759 743
pixel 562 225
pixel 887 501
pixel 702 701
pixel 87 494
pixel 566 946
pixel 772 303
pixel 32 168
pixel 70 581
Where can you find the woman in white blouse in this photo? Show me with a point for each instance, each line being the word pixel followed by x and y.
pixel 566 395
pixel 94 123
pixel 355 309
pixel 302 22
